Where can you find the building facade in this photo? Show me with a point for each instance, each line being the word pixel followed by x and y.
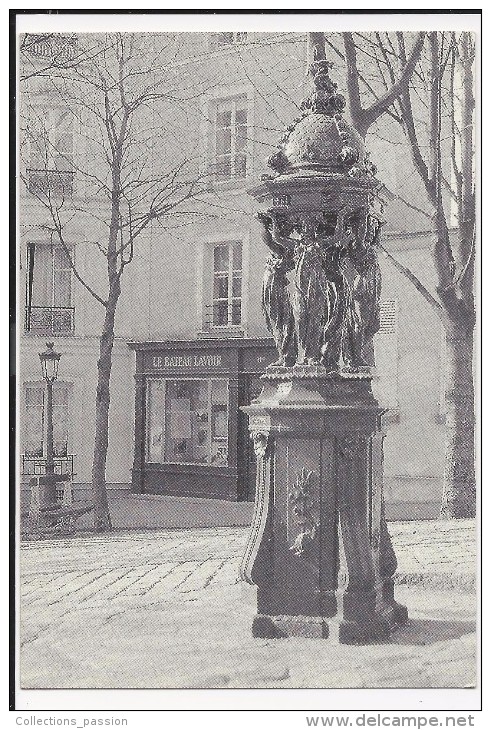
pixel 190 340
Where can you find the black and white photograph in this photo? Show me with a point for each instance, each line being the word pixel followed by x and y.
pixel 247 361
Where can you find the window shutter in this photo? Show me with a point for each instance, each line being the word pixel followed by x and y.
pixel 388 317
pixel 386 356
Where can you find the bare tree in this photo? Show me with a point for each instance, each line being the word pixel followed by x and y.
pixel 134 171
pixel 429 91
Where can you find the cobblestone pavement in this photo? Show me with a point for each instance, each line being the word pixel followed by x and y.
pixel 162 609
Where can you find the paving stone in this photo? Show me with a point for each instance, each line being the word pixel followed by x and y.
pixel 174 579
pixel 227 574
pixel 124 581
pixel 162 610
pixel 201 576
pixel 61 584
pixel 146 580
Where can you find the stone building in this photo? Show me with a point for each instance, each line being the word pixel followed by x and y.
pixel 189 322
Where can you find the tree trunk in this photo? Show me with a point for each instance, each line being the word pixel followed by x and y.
pixel 459 487
pixel 102 518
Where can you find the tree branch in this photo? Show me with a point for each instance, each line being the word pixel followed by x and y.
pixel 385 101
pixel 413 279
pixel 364 118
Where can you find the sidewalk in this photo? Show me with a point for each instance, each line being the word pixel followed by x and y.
pixel 162 609
pixel 149 512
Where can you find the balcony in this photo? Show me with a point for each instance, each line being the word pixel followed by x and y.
pixel 55 182
pixel 49 320
pixel 56 48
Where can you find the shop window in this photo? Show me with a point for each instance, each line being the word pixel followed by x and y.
pixel 34 426
pixel 48 290
pixel 187 421
pixel 231 139
pixel 226 306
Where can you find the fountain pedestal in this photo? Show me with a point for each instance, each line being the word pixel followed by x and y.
pixel 319 552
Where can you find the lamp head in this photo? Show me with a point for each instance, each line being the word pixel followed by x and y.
pixel 49 363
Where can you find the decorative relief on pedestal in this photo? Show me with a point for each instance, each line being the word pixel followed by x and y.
pixel 260 441
pixel 301 496
pixel 259 432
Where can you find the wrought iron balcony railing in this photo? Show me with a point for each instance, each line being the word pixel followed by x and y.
pixel 49 320
pixel 55 182
pixel 51 47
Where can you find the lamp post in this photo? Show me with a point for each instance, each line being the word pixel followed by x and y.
pixel 49 364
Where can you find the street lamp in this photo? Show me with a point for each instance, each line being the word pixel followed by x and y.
pixel 49 364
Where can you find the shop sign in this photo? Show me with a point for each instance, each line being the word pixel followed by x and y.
pixel 198 361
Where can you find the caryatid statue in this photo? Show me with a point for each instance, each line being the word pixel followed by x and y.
pixel 321 222
pixel 361 288
pixel 333 314
pixel 368 289
pixel 277 307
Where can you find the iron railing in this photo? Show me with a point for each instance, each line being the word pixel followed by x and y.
pixel 54 182
pixel 36 465
pixel 49 320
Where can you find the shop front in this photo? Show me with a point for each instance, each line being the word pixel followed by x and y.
pixel 191 438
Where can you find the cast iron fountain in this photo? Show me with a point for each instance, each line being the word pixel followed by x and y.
pixel 319 552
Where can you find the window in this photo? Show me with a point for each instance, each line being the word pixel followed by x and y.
pixel 231 139
pixel 34 436
pixel 227 284
pixel 188 421
pixel 51 152
pixel 48 290
pixel 219 40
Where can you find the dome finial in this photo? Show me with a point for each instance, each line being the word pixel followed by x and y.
pixel 320 138
pixel 324 98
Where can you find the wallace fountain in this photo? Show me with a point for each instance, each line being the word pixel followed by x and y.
pixel 319 553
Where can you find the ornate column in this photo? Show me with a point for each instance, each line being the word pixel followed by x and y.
pixel 319 553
